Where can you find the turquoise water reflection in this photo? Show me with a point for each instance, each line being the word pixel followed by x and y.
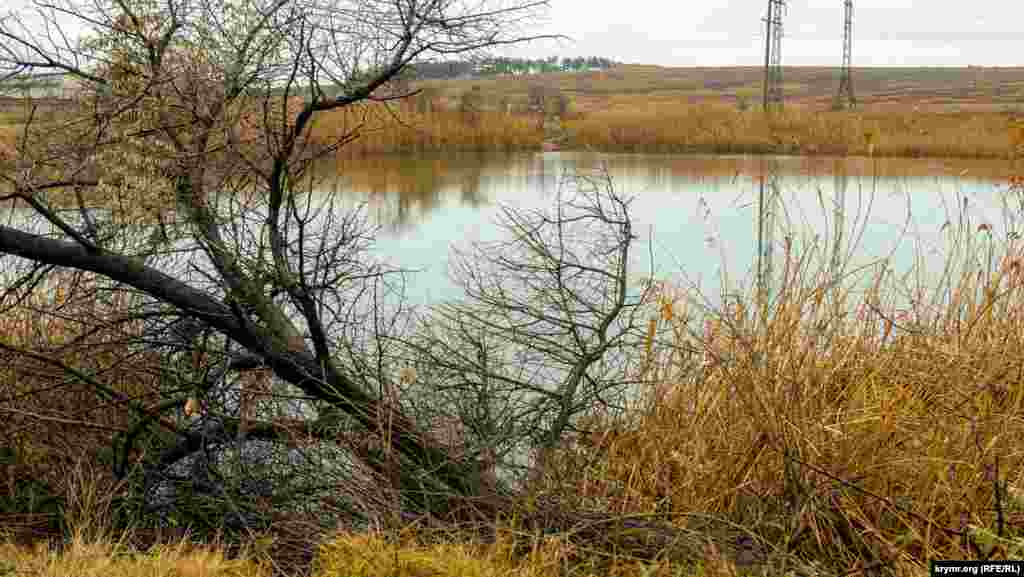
pixel 700 211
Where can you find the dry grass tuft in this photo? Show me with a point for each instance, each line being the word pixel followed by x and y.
pixel 104 558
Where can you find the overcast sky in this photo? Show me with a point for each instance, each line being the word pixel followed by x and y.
pixel 731 32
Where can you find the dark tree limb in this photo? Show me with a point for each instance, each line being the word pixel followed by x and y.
pixel 298 368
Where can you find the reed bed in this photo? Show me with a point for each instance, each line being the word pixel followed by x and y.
pixel 715 128
pixel 404 129
pixel 641 125
pixel 658 122
pixel 872 427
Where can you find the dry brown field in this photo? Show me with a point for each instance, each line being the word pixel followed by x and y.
pixel 969 112
pixel 906 112
pixel 877 89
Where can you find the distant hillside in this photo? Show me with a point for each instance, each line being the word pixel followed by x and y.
pixel 950 89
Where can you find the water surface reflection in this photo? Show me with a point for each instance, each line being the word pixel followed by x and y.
pixel 700 211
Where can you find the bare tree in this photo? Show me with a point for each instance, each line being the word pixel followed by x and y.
pixel 546 333
pixel 192 134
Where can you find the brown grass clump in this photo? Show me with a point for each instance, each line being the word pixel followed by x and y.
pixel 8 136
pixel 346 554
pixel 67 380
pixel 106 558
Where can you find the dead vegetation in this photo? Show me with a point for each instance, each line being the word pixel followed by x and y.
pixel 868 429
pixel 942 113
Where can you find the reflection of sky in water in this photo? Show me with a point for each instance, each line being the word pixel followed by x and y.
pixel 700 211
pixel 703 225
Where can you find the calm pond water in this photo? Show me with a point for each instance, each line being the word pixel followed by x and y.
pixel 696 215
pixel 700 211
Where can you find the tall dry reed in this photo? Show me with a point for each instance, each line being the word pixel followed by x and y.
pixel 860 420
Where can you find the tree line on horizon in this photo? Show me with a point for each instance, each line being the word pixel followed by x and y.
pixel 507 65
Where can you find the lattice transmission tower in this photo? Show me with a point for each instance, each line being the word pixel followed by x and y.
pixel 773 54
pixel 844 96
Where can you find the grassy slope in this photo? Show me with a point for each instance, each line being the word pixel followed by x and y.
pixel 934 89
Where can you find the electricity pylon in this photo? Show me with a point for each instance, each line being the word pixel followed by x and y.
pixel 773 55
pixel 844 96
